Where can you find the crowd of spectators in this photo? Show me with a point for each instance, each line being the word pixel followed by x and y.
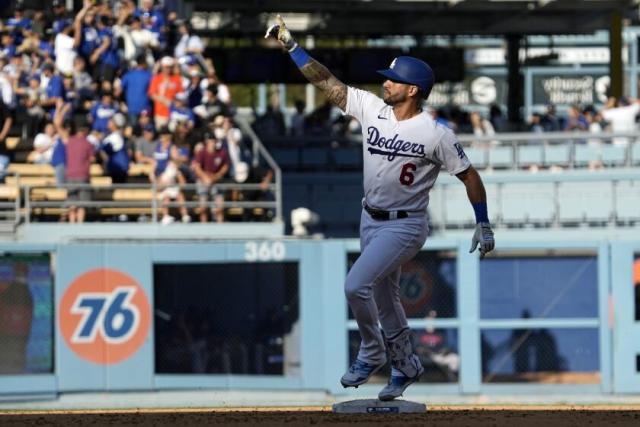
pixel 120 83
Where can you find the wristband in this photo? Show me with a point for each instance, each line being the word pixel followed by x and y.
pixel 480 209
pixel 299 56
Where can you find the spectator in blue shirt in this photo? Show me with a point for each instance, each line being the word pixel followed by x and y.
pixel 102 112
pixel 54 90
pixel 8 44
pixel 19 23
pixel 179 112
pixel 105 58
pixel 153 19
pixel 135 86
pixel 88 35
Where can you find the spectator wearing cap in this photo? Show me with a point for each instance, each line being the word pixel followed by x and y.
pixel 54 89
pixel 113 150
pixel 105 59
pixel 193 88
pixel 64 46
pixel 163 89
pixel 168 177
pixel 146 146
pixel 135 86
pixel 210 165
pixel 102 112
pixel 153 19
pixel 179 112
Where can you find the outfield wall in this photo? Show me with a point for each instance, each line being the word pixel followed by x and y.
pixel 550 312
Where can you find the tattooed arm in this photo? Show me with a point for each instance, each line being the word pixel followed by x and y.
pixel 317 74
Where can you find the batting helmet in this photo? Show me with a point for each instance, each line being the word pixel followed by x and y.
pixel 407 69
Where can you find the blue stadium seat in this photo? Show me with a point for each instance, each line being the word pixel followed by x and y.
pixel 529 155
pixel 285 157
pixel 635 153
pixel 501 157
pixel 628 201
pixel 585 202
pixel 347 157
pixel 557 155
pixel 527 203
pixel 585 154
pixel 477 157
pixel 315 158
pixel 613 155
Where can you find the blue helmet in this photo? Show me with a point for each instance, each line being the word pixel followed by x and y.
pixel 407 69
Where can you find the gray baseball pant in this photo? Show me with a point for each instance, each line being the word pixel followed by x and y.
pixel 372 287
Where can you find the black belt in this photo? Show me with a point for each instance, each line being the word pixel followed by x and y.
pixel 380 215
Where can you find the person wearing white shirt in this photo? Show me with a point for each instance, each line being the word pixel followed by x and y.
pixel 64 47
pixel 622 117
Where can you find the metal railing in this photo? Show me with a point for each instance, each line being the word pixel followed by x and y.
pixel 600 149
pixel 576 198
pixel 146 203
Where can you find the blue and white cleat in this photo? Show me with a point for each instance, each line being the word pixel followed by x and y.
pixel 397 385
pixel 359 373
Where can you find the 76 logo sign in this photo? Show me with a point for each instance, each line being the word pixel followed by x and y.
pixel 104 316
pixel 111 315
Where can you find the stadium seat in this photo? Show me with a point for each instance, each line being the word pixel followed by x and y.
pixel 557 155
pixel 347 157
pixel 315 158
pixel 501 157
pixel 477 157
pixel 585 154
pixel 635 153
pixel 628 201
pixel 492 202
pixel 528 203
pixel 529 155
pixel 585 202
pixel 614 155
pixel 457 208
pixel 286 158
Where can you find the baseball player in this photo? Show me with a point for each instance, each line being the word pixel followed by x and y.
pixel 404 150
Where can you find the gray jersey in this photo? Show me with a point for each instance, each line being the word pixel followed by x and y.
pixel 402 159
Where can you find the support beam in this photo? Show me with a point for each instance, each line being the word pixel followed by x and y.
pixel 515 82
pixel 616 70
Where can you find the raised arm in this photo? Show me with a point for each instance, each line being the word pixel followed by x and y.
pixel 317 74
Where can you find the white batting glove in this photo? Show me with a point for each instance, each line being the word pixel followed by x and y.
pixel 282 34
pixel 482 236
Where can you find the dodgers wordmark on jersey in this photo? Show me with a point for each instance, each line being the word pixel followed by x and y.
pixel 402 159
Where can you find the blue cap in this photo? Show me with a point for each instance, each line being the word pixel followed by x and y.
pixel 149 128
pixel 60 25
pixel 407 69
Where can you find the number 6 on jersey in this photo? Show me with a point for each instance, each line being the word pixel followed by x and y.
pixel 406 175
